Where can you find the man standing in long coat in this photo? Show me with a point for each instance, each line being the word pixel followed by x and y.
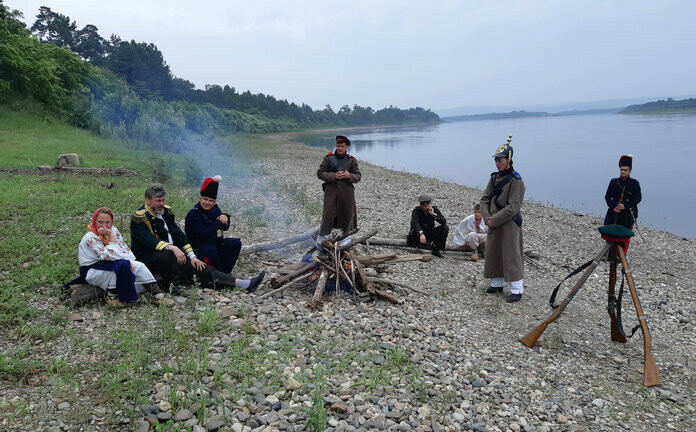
pixel 339 171
pixel 500 208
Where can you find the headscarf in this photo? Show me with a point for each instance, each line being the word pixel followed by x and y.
pixel 92 226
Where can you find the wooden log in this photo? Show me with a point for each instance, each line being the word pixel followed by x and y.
pixel 319 291
pixel 358 239
pixel 282 280
pixel 397 283
pixel 387 296
pixel 402 243
pixel 277 244
pixel 362 277
pixel 82 293
pixel 282 287
pixel 366 261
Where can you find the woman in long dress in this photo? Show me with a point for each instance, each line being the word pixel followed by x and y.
pixel 107 262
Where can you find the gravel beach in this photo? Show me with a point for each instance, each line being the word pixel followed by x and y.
pixel 447 361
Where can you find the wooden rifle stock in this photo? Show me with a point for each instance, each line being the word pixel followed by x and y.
pixel 616 333
pixel 650 374
pixel 530 338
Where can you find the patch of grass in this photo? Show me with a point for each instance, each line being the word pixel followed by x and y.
pixel 255 216
pixel 317 415
pixel 16 369
pixel 206 321
pixel 43 332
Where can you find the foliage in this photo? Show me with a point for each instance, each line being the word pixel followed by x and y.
pixel 668 106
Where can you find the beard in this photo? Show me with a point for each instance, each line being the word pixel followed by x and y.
pixel 159 211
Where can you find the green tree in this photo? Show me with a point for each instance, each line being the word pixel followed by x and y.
pixel 55 28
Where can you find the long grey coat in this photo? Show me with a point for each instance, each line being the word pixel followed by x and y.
pixel 340 210
pixel 504 245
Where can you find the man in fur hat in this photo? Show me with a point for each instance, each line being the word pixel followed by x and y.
pixel 500 208
pixel 339 171
pixel 203 223
pixel 622 197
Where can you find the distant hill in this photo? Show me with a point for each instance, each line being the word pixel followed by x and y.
pixel 669 106
pixel 522 113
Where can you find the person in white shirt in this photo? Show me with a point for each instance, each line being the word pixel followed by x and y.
pixel 471 233
pixel 107 262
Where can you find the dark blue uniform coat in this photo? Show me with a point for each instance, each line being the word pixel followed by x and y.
pixel 202 231
pixel 631 197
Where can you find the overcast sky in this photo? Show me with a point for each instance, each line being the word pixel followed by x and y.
pixel 439 54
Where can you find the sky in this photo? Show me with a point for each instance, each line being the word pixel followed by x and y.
pixel 405 53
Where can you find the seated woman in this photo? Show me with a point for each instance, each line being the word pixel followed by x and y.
pixel 107 262
pixel 202 225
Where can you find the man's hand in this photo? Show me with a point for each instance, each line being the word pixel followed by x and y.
pixel 198 264
pixel 619 207
pixel 342 175
pixel 224 219
pixel 490 224
pixel 180 256
pixel 422 238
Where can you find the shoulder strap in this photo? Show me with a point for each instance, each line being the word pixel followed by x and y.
pixel 552 300
pixel 338 163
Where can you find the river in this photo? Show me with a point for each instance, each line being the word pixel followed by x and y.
pixel 565 161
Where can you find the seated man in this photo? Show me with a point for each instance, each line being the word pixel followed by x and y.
pixel 423 233
pixel 202 225
pixel 159 243
pixel 471 233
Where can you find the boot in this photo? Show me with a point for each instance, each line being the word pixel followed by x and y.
pixel 255 282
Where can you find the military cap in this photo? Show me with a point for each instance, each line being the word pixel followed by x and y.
pixel 342 139
pixel 425 199
pixel 626 160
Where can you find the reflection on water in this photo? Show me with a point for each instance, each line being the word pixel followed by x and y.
pixel 565 161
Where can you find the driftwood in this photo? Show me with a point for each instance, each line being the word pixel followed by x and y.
pixel 387 296
pixel 282 287
pixel 361 276
pixel 120 171
pixel 284 279
pixel 319 290
pixel 277 244
pixel 358 239
pixel 369 260
pixel 397 283
pixel 402 243
pixel 82 293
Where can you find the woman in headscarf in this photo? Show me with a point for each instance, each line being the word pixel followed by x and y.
pixel 107 262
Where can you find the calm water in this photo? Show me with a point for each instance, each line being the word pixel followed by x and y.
pixel 565 161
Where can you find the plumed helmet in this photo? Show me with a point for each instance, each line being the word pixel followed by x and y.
pixel 209 189
pixel 505 150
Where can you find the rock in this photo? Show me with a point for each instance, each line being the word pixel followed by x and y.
pixel 141 426
pixel 63 405
pixel 599 403
pixel 292 384
pixel 69 159
pixel 214 425
pixel 183 415
pixel 164 405
pixel 339 407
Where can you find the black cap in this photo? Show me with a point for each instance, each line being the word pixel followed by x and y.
pixel 626 160
pixel 343 139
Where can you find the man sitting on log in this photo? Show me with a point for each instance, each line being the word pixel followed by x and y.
pixel 162 246
pixel 203 223
pixel 423 233
pixel 471 233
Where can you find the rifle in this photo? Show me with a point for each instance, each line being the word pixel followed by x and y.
pixel 530 338
pixel 616 215
pixel 650 375
pixel 617 333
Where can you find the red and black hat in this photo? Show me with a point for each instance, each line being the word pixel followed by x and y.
pixel 210 187
pixel 342 139
pixel 626 160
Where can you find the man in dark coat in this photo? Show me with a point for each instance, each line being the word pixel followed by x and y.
pixel 622 197
pixel 159 243
pixel 339 171
pixel 202 225
pixel 500 208
pixel 423 232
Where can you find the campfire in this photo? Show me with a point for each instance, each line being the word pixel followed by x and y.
pixel 343 268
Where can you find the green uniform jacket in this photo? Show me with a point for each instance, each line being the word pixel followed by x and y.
pixel 148 233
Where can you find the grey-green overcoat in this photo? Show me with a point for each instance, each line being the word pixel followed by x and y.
pixel 504 244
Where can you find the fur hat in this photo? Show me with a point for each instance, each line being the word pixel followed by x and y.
pixel 210 187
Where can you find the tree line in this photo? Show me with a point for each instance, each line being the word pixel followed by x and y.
pixel 126 88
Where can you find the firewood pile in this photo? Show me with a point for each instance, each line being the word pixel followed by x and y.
pixel 343 267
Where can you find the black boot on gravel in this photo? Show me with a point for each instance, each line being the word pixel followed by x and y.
pixel 255 282
pixel 512 298
pixel 493 290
